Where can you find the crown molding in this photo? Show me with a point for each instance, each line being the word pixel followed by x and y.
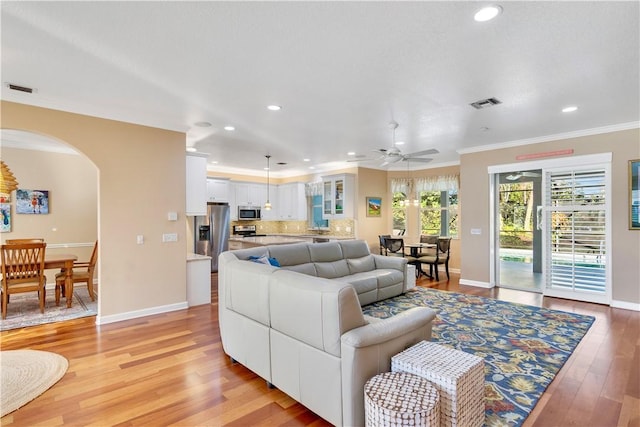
pixel 555 137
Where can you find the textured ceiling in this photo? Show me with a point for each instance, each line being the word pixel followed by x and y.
pixel 340 70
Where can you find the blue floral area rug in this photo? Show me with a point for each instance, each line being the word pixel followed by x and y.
pixel 23 310
pixel 523 347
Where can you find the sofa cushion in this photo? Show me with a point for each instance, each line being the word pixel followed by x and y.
pixel 362 282
pixel 388 277
pixel 362 264
pixel 308 268
pixel 325 252
pixel 332 270
pixel 291 254
pixel 354 248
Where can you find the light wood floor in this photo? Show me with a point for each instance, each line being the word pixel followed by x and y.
pixel 170 370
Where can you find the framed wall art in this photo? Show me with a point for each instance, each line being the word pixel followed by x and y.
pixel 32 201
pixel 5 217
pixel 374 206
pixel 634 194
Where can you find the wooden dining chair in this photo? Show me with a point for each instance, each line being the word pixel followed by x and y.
pixel 82 273
pixel 23 271
pixel 21 241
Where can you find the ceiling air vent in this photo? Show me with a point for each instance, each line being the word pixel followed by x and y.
pixel 20 88
pixel 484 103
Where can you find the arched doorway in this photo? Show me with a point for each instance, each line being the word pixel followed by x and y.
pixel 70 180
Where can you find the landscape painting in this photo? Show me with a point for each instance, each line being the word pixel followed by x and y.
pixel 32 201
pixel 374 205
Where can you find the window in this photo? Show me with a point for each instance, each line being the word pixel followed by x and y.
pixel 439 213
pixel 399 211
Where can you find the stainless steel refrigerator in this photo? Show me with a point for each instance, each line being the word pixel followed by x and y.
pixel 212 232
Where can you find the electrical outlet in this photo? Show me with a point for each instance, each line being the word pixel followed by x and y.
pixel 139 239
pixel 348 229
pixel 169 237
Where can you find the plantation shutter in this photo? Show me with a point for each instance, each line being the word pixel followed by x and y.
pixel 576 206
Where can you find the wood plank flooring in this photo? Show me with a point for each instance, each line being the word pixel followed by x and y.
pixel 170 369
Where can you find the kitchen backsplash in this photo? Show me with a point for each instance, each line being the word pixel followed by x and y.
pixel 337 227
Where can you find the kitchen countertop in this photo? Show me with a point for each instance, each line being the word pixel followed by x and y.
pixel 268 240
pixel 197 257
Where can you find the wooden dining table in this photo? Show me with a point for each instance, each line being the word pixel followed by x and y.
pixel 63 261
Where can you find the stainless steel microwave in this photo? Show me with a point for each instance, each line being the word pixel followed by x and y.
pixel 248 213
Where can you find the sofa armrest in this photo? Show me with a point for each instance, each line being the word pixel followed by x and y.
pixel 391 328
pixel 396 263
pixel 367 350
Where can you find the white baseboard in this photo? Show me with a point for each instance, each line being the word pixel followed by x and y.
pixel 476 283
pixel 625 305
pixel 103 320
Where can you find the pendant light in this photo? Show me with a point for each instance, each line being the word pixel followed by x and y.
pixel 267 205
pixel 8 182
pixel 410 189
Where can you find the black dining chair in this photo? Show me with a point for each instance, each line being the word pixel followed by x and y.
pixel 381 240
pixel 439 254
pixel 394 246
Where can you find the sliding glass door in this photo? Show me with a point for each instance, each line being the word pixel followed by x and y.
pixel 572 215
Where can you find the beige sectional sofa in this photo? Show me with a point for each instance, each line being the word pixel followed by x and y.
pixel 301 328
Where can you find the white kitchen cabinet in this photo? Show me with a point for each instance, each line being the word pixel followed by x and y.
pixel 250 193
pixel 217 190
pixel 196 181
pixel 292 202
pixel 338 196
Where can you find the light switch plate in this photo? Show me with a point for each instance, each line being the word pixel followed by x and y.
pixel 476 231
pixel 170 237
pixel 172 216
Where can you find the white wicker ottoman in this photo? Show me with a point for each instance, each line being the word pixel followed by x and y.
pixel 458 376
pixel 394 399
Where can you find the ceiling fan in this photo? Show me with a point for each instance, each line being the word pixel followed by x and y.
pixel 394 155
pixel 514 176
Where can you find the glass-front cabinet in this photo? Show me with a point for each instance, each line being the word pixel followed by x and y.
pixel 337 196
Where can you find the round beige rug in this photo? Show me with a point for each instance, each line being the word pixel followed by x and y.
pixel 26 374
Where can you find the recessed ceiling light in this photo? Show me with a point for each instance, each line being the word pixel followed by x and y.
pixel 274 107
pixel 202 124
pixel 215 162
pixel 229 128
pixel 191 149
pixel 399 142
pixel 311 167
pixel 306 160
pixel 351 153
pixel 569 109
pixel 487 13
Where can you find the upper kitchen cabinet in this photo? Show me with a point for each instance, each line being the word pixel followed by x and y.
pixel 196 181
pixel 338 196
pixel 292 202
pixel 250 193
pixel 218 190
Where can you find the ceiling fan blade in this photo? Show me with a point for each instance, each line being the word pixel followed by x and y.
pixel 417 159
pixel 422 153
pixel 361 160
